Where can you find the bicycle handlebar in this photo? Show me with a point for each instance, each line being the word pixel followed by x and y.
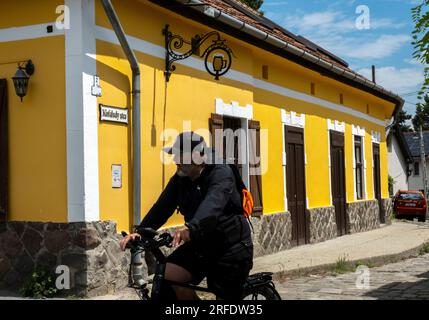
pixel 150 240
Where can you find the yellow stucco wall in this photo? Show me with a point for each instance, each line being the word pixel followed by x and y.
pixel 37 131
pixel 28 12
pixel 190 94
pixel 177 102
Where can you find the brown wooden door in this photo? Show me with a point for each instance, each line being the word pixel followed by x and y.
pixel 295 184
pixel 338 182
pixel 3 151
pixel 377 184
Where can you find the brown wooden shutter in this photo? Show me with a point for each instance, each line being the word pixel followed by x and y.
pixel 254 166
pixel 3 151
pixel 216 124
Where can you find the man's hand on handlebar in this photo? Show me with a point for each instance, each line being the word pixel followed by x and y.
pixel 127 238
pixel 181 234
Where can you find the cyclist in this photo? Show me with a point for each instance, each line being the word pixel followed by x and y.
pixel 215 241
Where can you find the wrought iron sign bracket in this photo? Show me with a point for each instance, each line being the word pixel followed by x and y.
pixel 217 55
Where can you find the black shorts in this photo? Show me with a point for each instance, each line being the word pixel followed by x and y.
pixel 226 274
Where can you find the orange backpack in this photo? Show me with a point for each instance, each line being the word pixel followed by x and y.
pixel 246 196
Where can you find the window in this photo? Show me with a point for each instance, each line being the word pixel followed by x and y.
pixel 359 168
pixel 410 196
pixel 313 88
pixel 416 169
pixel 265 72
pixel 221 127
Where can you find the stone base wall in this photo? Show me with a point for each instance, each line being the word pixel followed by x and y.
pixel 90 251
pixel 323 225
pixel 363 216
pixel 98 266
pixel 272 233
pixel 388 209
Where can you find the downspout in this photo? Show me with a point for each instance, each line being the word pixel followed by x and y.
pixel 119 31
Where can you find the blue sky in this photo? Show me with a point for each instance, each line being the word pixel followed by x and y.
pixel 386 44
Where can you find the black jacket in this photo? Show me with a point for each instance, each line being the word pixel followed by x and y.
pixel 211 206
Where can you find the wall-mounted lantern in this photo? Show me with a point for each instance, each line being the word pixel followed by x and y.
pixel 217 56
pixel 21 78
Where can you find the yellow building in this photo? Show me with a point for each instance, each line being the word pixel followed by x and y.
pixel 71 150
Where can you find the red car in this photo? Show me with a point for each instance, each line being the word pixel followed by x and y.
pixel 411 204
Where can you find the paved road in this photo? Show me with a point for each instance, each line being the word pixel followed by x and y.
pixel 408 279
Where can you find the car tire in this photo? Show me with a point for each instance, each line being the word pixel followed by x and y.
pixel 422 219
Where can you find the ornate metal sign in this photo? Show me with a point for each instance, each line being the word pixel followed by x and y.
pixel 217 55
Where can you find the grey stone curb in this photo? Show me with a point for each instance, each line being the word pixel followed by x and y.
pixel 324 269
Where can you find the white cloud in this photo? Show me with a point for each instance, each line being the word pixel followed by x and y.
pixel 400 80
pixel 328 22
pixel 382 47
pixel 336 31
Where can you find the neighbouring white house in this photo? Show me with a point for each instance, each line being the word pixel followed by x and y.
pixel 400 161
pixel 415 181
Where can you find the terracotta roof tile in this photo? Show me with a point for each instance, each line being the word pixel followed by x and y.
pixel 230 7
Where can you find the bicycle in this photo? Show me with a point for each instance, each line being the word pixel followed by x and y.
pixel 259 285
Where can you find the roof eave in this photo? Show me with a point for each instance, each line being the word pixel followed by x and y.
pixel 200 11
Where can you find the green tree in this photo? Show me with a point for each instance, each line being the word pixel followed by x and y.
pixel 402 119
pixel 420 41
pixel 422 115
pixel 255 4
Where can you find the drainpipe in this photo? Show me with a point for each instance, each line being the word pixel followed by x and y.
pixel 119 31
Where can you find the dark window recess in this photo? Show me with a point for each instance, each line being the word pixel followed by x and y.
pixel 231 142
pixel 313 88
pixel 359 168
pixel 367 108
pixel 416 169
pixel 218 124
pixel 265 72
pixel 341 98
